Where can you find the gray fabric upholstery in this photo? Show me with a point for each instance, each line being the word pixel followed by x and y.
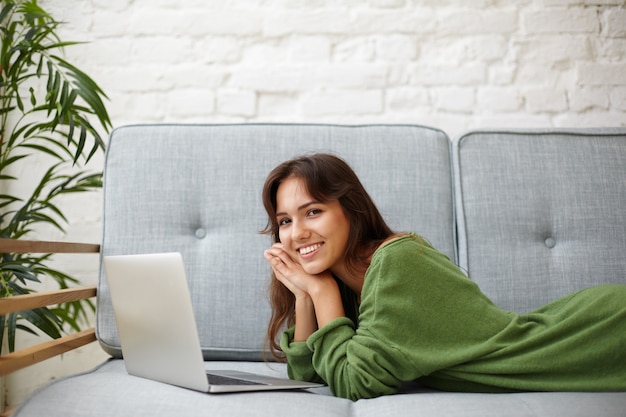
pixel 196 189
pixel 541 213
pixel 109 391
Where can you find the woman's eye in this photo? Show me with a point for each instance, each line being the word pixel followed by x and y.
pixel 282 222
pixel 313 212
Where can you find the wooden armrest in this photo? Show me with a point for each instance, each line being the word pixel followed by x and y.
pixel 32 355
pixel 35 246
pixel 31 301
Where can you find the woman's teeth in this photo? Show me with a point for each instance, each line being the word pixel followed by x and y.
pixel 309 249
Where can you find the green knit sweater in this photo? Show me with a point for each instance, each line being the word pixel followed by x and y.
pixel 421 318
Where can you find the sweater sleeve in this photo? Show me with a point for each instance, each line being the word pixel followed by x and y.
pixel 354 363
pixel 299 358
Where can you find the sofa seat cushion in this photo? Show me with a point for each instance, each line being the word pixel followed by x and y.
pixel 109 391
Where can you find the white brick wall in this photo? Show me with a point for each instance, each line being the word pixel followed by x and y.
pixel 452 64
pixel 460 63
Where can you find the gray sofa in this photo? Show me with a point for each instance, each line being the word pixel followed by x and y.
pixel 529 215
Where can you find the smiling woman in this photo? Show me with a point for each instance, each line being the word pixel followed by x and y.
pixel 313 239
pixel 324 194
pixel 368 309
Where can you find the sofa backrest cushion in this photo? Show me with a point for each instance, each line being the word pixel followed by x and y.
pixel 196 189
pixel 541 213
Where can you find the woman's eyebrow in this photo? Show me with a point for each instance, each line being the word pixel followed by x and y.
pixel 302 207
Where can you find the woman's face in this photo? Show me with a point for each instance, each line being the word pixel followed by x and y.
pixel 314 234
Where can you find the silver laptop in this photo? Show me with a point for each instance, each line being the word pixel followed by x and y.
pixel 157 327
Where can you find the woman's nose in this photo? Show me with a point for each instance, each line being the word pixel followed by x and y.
pixel 299 231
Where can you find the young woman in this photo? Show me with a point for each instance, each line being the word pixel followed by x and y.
pixel 368 309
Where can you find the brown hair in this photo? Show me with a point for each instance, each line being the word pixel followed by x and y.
pixel 327 178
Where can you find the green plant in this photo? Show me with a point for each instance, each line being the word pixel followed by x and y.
pixel 46 107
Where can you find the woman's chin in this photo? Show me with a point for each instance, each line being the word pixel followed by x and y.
pixel 313 270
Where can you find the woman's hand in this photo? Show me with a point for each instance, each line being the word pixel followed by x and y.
pixel 291 274
pixel 320 292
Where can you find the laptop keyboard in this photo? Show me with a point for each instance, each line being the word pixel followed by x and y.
pixel 225 380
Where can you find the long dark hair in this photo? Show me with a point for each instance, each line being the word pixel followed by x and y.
pixel 327 178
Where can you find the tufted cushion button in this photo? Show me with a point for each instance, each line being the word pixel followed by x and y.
pixel 200 233
pixel 550 242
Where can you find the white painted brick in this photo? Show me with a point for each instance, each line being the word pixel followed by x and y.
pixel 617 96
pixel 476 21
pixel 288 78
pixel 190 102
pixel 278 79
pixel 498 99
pixel 616 23
pixel 112 23
pixel 587 98
pixel 442 52
pixel 578 20
pixel 161 50
pixel 561 3
pixel 310 49
pixel 232 4
pixel 361 49
pixel 134 79
pixel 501 74
pixel 554 49
pixel 103 52
pixel 601 74
pixel 265 52
pixel 222 49
pixel 404 99
pixel 463 49
pixel 188 75
pixel 541 100
pixel 609 50
pixel 119 6
pixel 276 104
pixel 314 22
pixel 454 99
pixel 485 47
pixel 454 4
pixel 570 3
pixel 146 107
pixel 218 21
pixel 150 21
pixel 238 103
pixel 357 76
pixel 468 74
pixel 342 103
pixel 399 74
pixel 603 2
pixel 396 48
pixel 377 22
pixel 77 18
pixel 294 4
pixel 529 74
pixel 386 3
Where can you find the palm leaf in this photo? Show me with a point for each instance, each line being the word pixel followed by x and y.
pixel 50 105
